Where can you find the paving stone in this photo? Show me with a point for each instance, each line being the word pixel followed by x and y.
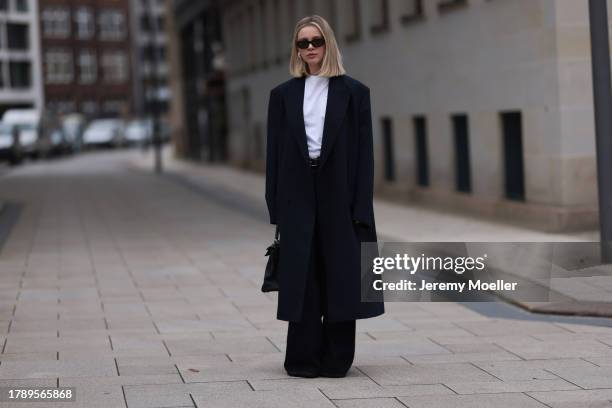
pixel 348 391
pixel 369 403
pixel 54 368
pixel 257 370
pixel 24 345
pixel 180 326
pixel 172 395
pixel 425 374
pixel 472 401
pixel 461 357
pixel 537 349
pixel 354 379
pixel 586 377
pixel 413 346
pixel 507 326
pixel 298 398
pixel 572 399
pixel 224 346
pixel 487 387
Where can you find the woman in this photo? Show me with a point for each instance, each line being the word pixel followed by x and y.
pixel 319 187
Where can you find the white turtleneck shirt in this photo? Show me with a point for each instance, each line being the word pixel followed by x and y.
pixel 315 103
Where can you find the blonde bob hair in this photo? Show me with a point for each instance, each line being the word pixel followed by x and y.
pixel 332 60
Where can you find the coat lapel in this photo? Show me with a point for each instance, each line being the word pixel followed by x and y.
pixel 335 111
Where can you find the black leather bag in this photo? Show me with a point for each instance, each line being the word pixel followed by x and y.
pixel 270 283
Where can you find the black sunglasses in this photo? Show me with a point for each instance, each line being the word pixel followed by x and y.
pixel 316 42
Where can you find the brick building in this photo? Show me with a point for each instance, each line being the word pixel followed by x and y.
pixel 86 56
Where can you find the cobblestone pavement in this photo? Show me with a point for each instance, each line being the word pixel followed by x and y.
pixel 143 291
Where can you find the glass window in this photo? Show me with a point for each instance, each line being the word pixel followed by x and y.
pixel 89 107
pixel 114 106
pixel 21 5
pixel 84 21
pixel 112 24
pixel 115 66
pixel 379 15
pixel 352 20
pixel 17 36
pixel 58 66
pixel 21 75
pixel 56 22
pixel 88 67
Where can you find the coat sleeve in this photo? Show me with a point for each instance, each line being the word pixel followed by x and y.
pixel 363 209
pixel 274 124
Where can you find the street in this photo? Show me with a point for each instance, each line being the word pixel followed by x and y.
pixel 143 291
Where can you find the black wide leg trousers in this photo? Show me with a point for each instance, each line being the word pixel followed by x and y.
pixel 314 345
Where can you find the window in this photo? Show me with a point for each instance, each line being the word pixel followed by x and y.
pixel 450 5
pixel 512 133
pixel 17 36
pixel 1 74
pixel 89 107
pixel 114 106
pixel 412 11
pixel 352 20
pixel 145 22
pixel 58 65
pixel 84 22
pixel 422 159
pixel 379 14
pixel 21 75
pixel 161 24
pixel 88 67
pixel 153 53
pixel 61 106
pixel 3 5
pixel 463 180
pixel 112 25
pixel 115 66
pixel 21 5
pixel 56 22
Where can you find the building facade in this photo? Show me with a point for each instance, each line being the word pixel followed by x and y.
pixel 479 105
pixel 197 58
pixel 150 49
pixel 20 74
pixel 86 56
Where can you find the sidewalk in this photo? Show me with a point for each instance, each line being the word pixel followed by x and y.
pixel 580 292
pixel 143 292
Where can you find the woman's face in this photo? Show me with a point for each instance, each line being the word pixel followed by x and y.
pixel 311 55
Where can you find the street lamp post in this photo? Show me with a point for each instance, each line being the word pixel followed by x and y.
pixel 602 94
pixel 156 139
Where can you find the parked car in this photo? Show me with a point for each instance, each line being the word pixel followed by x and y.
pixel 74 125
pixel 104 132
pixel 10 148
pixel 138 132
pixel 40 134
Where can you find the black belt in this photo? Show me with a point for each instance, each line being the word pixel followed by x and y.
pixel 314 162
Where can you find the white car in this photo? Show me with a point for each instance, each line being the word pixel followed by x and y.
pixel 39 132
pixel 104 132
pixel 138 132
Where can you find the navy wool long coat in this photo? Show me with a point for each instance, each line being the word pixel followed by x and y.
pixel 345 193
